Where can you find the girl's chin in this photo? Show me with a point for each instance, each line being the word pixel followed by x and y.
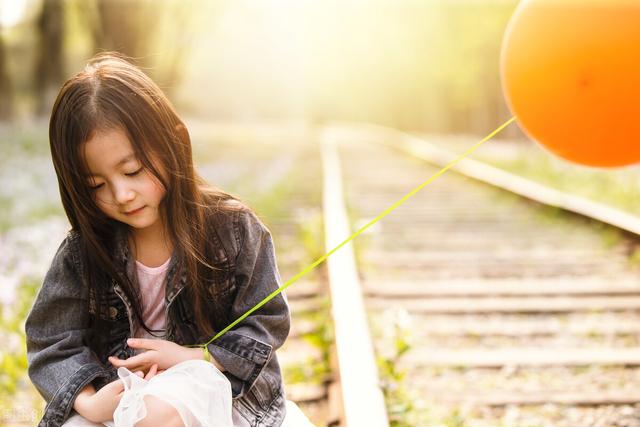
pixel 142 223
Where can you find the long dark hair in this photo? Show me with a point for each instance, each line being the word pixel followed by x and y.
pixel 112 93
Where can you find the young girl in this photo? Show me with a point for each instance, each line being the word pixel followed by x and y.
pixel 154 254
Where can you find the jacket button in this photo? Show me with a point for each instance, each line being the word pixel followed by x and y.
pixel 113 312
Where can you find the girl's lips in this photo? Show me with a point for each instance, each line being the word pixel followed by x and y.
pixel 134 211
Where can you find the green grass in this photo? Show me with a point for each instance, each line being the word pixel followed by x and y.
pixel 22 148
pixel 32 140
pixel 619 187
pixel 13 361
pixel 321 337
pixel 29 191
pixel 615 187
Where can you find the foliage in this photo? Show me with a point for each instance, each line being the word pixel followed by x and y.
pixel 617 187
pixel 401 404
pixel 310 235
pixel 28 187
pixel 311 238
pixel 316 371
pixel 13 357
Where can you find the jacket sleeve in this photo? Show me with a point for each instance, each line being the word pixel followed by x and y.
pixel 248 347
pixel 59 362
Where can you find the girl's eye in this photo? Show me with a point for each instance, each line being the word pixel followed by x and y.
pixel 95 187
pixel 134 173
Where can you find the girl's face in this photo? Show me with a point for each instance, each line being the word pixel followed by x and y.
pixel 123 189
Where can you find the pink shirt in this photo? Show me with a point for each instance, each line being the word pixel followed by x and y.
pixel 151 282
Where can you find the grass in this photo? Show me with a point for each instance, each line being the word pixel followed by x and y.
pixel 615 187
pixel 321 337
pixel 17 139
pixel 28 186
pixel 310 236
pixel 28 196
pixel 13 358
pixel 619 187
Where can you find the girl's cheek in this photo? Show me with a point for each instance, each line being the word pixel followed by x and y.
pixel 101 201
pixel 158 186
pixel 159 189
pixel 104 204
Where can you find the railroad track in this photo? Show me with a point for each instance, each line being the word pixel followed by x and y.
pixel 521 312
pixel 277 171
pixel 513 315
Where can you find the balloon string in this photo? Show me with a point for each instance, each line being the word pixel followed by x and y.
pixel 357 233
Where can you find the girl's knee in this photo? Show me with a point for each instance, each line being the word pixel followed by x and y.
pixel 159 413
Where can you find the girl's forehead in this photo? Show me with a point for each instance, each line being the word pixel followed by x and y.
pixel 107 150
pixel 110 134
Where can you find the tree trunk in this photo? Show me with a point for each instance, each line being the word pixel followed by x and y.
pixel 6 95
pixel 126 27
pixel 49 72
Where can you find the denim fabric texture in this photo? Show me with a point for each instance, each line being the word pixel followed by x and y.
pixel 65 353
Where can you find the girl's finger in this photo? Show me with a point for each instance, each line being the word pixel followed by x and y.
pixel 152 372
pixel 139 368
pixel 142 343
pixel 130 363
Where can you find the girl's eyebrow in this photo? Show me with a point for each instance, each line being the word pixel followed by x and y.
pixel 122 161
pixel 125 159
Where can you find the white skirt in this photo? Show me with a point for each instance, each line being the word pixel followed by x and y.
pixel 195 388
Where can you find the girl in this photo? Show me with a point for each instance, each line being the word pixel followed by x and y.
pixel 154 254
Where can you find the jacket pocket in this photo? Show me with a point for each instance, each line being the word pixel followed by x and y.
pixel 109 308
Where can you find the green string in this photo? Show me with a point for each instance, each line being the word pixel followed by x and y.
pixel 353 236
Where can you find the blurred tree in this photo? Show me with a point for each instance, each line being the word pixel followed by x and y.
pixel 177 22
pixel 154 33
pixel 123 25
pixel 6 96
pixel 49 63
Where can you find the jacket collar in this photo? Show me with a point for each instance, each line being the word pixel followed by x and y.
pixel 128 265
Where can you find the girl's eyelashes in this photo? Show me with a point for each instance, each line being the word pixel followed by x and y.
pixel 134 173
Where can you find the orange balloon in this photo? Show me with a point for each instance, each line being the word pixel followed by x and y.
pixel 571 76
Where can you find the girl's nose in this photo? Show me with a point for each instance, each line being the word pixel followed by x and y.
pixel 123 194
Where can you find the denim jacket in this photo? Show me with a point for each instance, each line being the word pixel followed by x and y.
pixel 64 354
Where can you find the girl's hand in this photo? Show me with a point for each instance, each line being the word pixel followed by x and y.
pixel 100 406
pixel 162 353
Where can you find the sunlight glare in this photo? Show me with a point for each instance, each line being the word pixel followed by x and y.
pixel 11 12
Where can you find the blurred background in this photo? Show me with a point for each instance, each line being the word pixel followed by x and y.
pixel 255 81
pixel 424 65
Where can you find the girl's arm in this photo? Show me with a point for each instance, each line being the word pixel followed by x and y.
pixel 100 406
pixel 245 350
pixel 60 363
pixel 81 404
